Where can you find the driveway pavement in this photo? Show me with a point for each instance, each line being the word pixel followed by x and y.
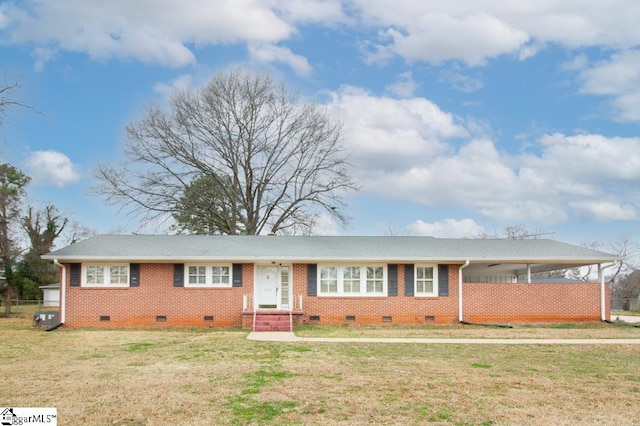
pixel 283 336
pixel 625 318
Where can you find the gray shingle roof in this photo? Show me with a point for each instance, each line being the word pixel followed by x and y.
pixel 324 248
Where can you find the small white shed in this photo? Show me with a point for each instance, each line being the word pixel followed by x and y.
pixel 51 295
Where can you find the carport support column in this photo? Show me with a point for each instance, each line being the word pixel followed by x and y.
pixel 466 263
pixel 601 269
pixel 528 273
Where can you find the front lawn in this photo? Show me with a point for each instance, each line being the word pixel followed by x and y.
pixel 209 376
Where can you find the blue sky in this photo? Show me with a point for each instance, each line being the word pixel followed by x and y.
pixel 462 116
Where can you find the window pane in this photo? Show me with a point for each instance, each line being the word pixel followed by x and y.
pixel 374 286
pixel 424 279
pixel 197 274
pixel 351 279
pixel 119 274
pixel 284 285
pixel 220 275
pixel 328 273
pixel 428 273
pixel 328 279
pixel 424 273
pixel 375 276
pixel 374 272
pixel 95 274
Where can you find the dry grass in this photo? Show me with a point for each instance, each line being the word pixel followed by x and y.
pixel 617 330
pixel 205 376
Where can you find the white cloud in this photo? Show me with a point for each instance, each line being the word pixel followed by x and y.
pixel 590 159
pixel 477 38
pixel 578 63
pixel 409 149
pixel 268 53
pixel 617 79
pixel 461 81
pixel 51 167
pixel 182 82
pixel 469 31
pixel 4 17
pixel 404 87
pixel 606 211
pixel 448 228
pixel 158 31
pixel 319 11
pixel 43 55
pixel 382 125
pixel 472 32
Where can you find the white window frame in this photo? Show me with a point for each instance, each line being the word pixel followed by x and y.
pixel 209 277
pixel 433 293
pixel 106 274
pixel 363 280
pixel 328 280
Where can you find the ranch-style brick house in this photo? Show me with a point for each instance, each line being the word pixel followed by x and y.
pixel 274 282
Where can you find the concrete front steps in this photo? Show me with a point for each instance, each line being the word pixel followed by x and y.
pixel 272 321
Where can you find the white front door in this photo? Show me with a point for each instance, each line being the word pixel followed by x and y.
pixel 267 286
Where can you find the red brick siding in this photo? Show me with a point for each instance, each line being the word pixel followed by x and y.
pixel 370 310
pixel 482 303
pixel 139 306
pixel 488 303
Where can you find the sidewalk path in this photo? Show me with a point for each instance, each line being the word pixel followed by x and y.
pixel 283 336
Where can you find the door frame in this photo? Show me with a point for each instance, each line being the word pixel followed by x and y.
pixel 257 286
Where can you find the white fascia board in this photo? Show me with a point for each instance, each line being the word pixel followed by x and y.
pixel 321 259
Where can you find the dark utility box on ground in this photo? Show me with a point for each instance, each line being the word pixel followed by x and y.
pixel 46 318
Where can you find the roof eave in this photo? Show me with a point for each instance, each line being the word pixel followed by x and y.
pixel 386 259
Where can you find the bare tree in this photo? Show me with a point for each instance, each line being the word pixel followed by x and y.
pixel 394 231
pixel 76 231
pixel 585 273
pixel 7 98
pixel 42 228
pixel 275 162
pixel 622 247
pixel 514 232
pixel 627 250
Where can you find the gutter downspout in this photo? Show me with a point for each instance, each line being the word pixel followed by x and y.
pixel 63 285
pixel 466 263
pixel 601 269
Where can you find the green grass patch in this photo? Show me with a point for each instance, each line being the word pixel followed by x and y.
pixel 249 410
pixel 256 380
pixel 138 346
pixel 480 365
